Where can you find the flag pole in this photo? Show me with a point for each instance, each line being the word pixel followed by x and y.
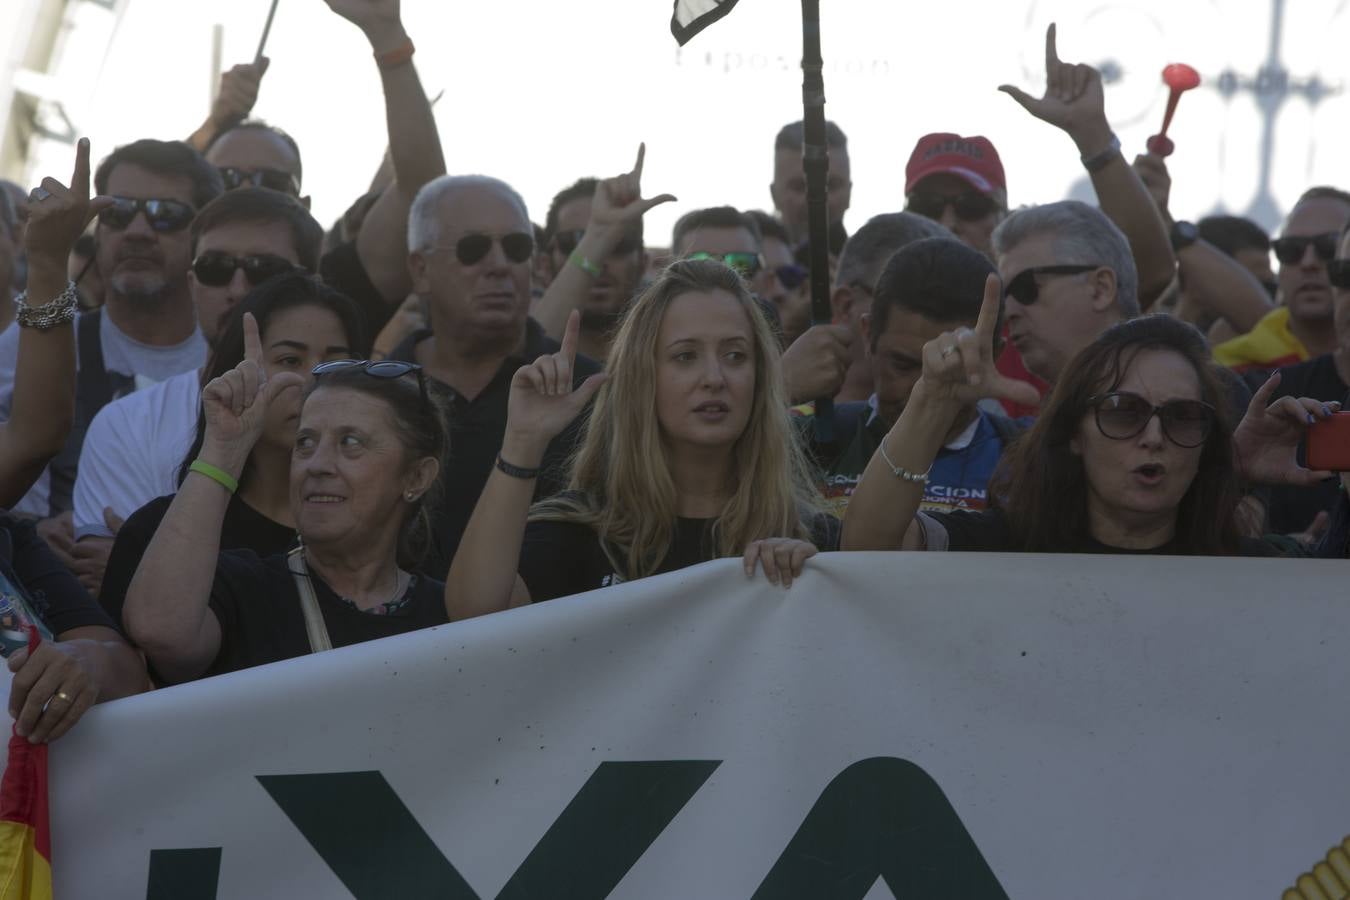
pixel 816 163
pixel 267 30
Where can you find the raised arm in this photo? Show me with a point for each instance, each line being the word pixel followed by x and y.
pixel 617 205
pixel 483 575
pixel 234 101
pixel 958 371
pixel 1074 103
pixel 167 610
pixel 43 405
pixel 414 144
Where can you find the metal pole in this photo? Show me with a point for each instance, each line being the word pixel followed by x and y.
pixel 816 163
pixel 267 29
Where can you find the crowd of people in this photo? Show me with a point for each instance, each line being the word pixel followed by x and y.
pixel 232 437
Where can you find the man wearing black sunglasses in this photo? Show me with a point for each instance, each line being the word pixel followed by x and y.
pixel 959 182
pixel 1301 327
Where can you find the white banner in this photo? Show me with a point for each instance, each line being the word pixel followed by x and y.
pixel 908 725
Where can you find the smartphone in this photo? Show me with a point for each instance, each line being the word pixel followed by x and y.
pixel 1329 444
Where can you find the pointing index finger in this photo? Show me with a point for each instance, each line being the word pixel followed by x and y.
pixel 569 341
pixel 642 155
pixel 252 341
pixel 987 323
pixel 1051 53
pixel 79 181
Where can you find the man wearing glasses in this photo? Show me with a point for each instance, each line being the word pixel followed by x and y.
pixel 1301 326
pixel 959 182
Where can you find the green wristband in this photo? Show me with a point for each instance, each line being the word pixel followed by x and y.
pixel 584 264
pixel 219 476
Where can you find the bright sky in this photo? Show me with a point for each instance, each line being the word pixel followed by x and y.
pixel 540 93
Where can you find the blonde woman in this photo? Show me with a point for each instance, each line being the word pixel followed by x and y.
pixel 689 455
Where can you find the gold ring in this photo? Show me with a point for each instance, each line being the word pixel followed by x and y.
pixel 62 695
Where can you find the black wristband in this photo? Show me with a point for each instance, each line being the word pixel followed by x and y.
pixel 515 471
pixel 1100 160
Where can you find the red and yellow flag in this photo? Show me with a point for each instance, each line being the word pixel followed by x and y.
pixel 25 832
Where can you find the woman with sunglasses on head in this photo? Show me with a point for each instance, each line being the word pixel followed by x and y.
pixel 688 456
pixel 1132 452
pixel 363 472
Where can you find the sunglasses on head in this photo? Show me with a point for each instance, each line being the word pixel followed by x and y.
pixel 791 277
pixel 383 368
pixel 1023 287
pixel 1122 415
pixel 272 179
pixel 1290 250
pixel 746 264
pixel 566 242
pixel 215 269
pixel 1338 271
pixel 969 207
pixel 163 215
pixel 473 248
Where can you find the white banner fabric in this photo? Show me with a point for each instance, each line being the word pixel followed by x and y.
pixel 1100 727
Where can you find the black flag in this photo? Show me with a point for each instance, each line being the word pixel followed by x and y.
pixel 692 16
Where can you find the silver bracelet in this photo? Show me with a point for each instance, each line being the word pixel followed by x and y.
pixel 54 312
pixel 901 472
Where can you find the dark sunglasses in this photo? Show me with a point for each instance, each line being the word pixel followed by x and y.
pixel 1023 287
pixel 566 242
pixel 970 207
pixel 1122 415
pixel 272 179
pixel 473 248
pixel 163 215
pixel 791 277
pixel 383 368
pixel 1338 271
pixel 217 269
pixel 746 264
pixel 1290 250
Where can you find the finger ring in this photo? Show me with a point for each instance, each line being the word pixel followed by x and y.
pixel 38 194
pixel 61 695
pixel 948 351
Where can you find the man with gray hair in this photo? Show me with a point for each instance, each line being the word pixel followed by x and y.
pixel 1067 276
pixel 471 247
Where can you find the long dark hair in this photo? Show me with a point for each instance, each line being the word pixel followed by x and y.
pixel 273 296
pixel 1042 486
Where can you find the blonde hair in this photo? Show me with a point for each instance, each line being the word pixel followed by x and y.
pixel 620 480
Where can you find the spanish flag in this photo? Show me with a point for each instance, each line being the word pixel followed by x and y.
pixel 25 833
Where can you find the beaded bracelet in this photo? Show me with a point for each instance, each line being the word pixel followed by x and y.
pixel 901 472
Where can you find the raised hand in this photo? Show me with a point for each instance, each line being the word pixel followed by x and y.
pixel 958 366
pixel 618 201
pixel 235 404
pixel 1152 171
pixel 542 400
pixel 1265 442
pixel 1073 99
pixel 238 92
pixel 56 220
pixel 380 20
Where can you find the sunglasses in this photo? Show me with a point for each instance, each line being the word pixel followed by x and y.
pixel 791 277
pixel 473 248
pixel 969 207
pixel 272 179
pixel 1122 415
pixel 745 264
pixel 566 242
pixel 1290 250
pixel 1338 272
pixel 1023 287
pixel 217 269
pixel 163 215
pixel 385 368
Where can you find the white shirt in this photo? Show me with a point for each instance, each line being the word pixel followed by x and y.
pixel 133 450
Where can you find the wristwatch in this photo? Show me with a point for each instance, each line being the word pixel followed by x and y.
pixel 1098 161
pixel 1183 235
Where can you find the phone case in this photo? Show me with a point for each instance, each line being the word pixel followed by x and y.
pixel 1329 444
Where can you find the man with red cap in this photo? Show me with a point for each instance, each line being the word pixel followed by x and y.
pixel 959 182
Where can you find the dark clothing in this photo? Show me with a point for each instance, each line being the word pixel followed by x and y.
pixel 341 269
pixel 261 621
pixel 477 427
pixel 244 528
pixel 28 567
pixel 1289 509
pixel 989 531
pixel 559 559
pixel 1335 544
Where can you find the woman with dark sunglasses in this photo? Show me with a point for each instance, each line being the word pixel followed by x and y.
pixel 1132 452
pixel 363 473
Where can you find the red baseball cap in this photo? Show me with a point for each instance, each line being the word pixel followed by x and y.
pixel 972 158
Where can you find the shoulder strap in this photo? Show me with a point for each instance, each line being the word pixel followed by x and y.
pixel 309 604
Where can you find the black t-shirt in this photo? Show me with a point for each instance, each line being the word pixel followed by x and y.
pixel 341 269
pixel 57 597
pixel 558 559
pixel 244 528
pixel 258 607
pixel 989 531
pixel 477 427
pixel 1292 509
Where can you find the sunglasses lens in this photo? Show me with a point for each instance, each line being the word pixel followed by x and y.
pixel 390 368
pixel 1022 288
pixel 1121 416
pixel 335 365
pixel 927 205
pixel 119 215
pixel 747 264
pixel 214 270
pixel 276 180
pixel 260 268
pixel 1338 270
pixel 518 247
pixel 168 215
pixel 232 178
pixel 1187 422
pixel 1291 250
pixel 472 248
pixel 791 277
pixel 973 207
pixel 1325 245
